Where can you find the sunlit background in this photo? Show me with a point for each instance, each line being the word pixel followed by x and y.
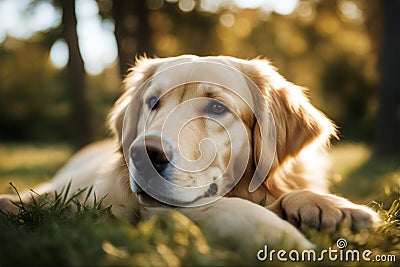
pixel 333 48
pixel 21 20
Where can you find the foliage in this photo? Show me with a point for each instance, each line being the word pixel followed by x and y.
pixel 360 176
pixel 68 232
pixel 32 95
pixel 34 100
pixel 313 46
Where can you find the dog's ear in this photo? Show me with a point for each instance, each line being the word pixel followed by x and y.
pixel 298 124
pixel 129 104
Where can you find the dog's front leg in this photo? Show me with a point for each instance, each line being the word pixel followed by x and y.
pixel 247 224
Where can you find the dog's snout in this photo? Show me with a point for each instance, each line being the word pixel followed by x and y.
pixel 153 150
pixel 158 152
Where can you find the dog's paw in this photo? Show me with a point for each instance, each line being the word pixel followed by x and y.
pixel 325 212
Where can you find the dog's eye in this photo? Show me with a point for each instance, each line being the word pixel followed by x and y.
pixel 152 103
pixel 216 108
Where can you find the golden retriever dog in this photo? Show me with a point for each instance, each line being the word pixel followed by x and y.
pixel 213 137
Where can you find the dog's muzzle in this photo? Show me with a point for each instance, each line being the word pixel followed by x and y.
pixel 150 154
pixel 152 176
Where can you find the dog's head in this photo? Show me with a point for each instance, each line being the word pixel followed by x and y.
pixel 191 127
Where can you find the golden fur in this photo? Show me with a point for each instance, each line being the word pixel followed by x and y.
pixel 296 187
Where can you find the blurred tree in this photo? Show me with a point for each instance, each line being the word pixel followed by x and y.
pixel 76 76
pixel 349 95
pixel 33 103
pixel 388 132
pixel 132 31
pixel 157 27
pixel 175 32
pixel 327 46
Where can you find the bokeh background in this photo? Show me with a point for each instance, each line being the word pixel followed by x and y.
pixel 62 63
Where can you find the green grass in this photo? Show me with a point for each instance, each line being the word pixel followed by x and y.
pixel 26 165
pixel 68 232
pixel 362 178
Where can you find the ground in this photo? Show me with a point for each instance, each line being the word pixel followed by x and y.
pixel 93 237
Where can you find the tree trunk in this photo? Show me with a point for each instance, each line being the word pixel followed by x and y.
pixel 132 31
pixel 76 77
pixel 388 132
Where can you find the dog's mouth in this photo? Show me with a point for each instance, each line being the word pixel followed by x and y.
pixel 146 200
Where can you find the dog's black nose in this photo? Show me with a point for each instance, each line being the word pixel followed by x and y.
pixel 152 150
pixel 158 152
